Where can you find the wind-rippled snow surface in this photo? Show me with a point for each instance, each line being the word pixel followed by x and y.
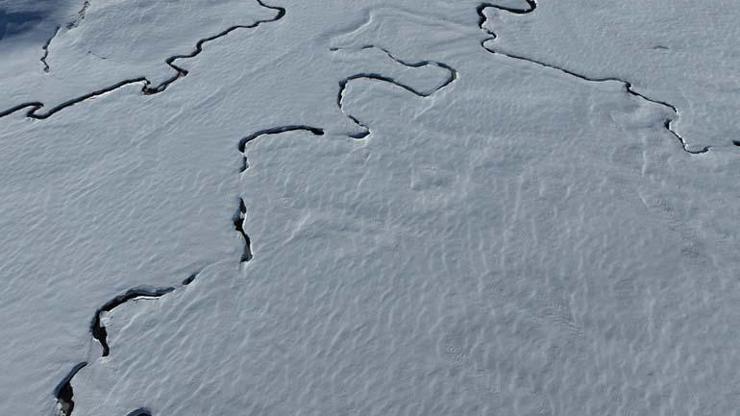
pixel 283 207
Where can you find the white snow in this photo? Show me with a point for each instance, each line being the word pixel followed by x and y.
pixel 504 238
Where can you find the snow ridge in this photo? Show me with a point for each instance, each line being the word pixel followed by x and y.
pixel 272 131
pixel 45 48
pixel 241 215
pixel 147 88
pixel 98 329
pixel 239 218
pixel 63 392
pixel 378 77
pixel 80 15
pixel 628 87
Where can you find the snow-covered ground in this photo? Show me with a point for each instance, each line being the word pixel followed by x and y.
pixel 375 207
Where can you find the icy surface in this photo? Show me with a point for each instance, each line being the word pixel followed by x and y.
pixel 376 208
pixel 682 52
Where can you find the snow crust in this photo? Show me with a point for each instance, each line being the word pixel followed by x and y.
pixel 436 227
